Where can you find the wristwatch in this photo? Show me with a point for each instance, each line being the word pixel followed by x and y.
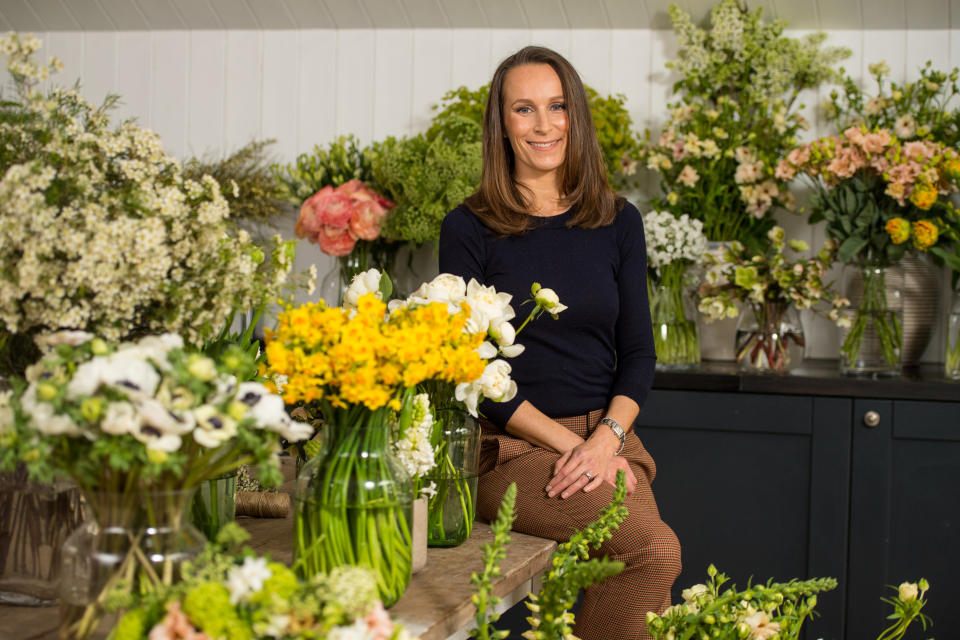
pixel 617 429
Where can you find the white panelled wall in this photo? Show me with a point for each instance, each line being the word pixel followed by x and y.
pixel 210 92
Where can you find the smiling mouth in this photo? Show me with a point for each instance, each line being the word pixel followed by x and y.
pixel 543 145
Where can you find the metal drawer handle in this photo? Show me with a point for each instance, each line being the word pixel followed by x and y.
pixel 871 418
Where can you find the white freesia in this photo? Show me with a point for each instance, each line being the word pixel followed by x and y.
pixel 362 284
pixel 413 448
pixel 247 579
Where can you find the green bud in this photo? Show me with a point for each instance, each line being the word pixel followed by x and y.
pixel 31 455
pixel 98 347
pixel 712 571
pixel 237 410
pixel 46 391
pixel 91 408
pixel 156 456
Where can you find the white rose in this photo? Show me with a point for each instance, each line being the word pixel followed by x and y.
pixel 469 394
pixel 446 287
pixel 362 284
pixel 549 300
pixel 494 306
pixel 503 333
pixel 496 384
pixel 907 591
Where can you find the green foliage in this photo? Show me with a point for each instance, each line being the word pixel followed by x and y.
pixel 426 178
pixel 257 196
pixel 907 605
pixel 925 109
pixel 343 160
pixel 572 569
pixel 759 611
pixel 458 107
pixel 493 554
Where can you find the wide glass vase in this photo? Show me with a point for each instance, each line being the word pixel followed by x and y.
pixel 453 505
pixel 378 254
pixel 951 360
pixel 673 314
pixel 215 504
pixel 769 337
pixel 35 520
pixel 354 503
pixel 129 541
pixel 871 328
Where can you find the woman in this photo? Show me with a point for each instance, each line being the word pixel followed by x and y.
pixel 545 213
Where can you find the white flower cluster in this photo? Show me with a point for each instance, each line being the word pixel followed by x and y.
pixel 413 448
pixel 99 230
pixel 133 392
pixel 670 239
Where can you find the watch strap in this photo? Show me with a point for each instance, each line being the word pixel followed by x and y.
pixel 618 430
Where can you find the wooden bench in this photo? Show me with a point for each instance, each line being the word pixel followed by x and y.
pixel 436 605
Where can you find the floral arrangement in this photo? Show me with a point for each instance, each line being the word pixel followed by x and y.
pixel 919 110
pixel 769 283
pixel 225 594
pixel 736 116
pixel 674 245
pixel 137 426
pixel 760 612
pixel 876 193
pixel 337 217
pixel 341 161
pixel 100 231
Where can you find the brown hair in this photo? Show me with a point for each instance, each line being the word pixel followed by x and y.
pixel 500 202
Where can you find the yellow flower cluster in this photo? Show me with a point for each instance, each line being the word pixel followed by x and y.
pixel 368 358
pixel 924 195
pixel 925 233
pixel 899 230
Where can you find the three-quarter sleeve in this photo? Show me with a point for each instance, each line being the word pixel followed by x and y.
pixel 636 356
pixel 461 251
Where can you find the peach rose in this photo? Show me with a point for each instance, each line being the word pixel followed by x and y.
pixel 336 242
pixel 365 223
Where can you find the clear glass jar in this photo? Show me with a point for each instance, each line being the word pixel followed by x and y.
pixel 215 504
pixel 769 338
pixel 354 503
pixel 871 328
pixel 453 505
pixel 127 538
pixel 674 317
pixel 951 360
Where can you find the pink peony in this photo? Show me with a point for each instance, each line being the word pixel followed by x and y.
pixel 379 623
pixel 336 242
pixel 365 223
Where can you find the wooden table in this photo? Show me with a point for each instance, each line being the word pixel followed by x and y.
pixel 436 605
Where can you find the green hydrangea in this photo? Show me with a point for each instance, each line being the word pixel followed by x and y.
pixel 281 585
pixel 208 607
pixel 132 626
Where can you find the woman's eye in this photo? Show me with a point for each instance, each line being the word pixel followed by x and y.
pixel 558 106
pixel 523 109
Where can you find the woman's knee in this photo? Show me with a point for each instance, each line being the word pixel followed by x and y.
pixel 647 542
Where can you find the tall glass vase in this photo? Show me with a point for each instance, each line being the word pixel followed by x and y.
pixel 769 337
pixel 354 503
pixel 453 506
pixel 673 315
pixel 871 328
pixel 215 504
pixel 951 360
pixel 378 254
pixel 128 541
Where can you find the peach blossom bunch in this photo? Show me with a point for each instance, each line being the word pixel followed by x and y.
pixel 337 217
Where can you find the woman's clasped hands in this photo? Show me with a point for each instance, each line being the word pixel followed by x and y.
pixel 587 466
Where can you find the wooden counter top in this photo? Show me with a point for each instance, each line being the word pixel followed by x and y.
pixel 436 605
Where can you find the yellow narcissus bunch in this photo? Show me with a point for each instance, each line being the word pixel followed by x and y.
pixel 367 357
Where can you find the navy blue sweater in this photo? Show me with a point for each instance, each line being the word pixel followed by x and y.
pixel 602 345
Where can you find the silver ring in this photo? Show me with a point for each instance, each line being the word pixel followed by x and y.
pixel 588 474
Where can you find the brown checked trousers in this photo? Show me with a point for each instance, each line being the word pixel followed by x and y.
pixel 617 607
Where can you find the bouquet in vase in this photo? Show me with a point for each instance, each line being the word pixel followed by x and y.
pixel 137 426
pixel 879 198
pixel 772 286
pixel 674 247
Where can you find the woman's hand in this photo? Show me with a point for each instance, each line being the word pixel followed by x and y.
pixel 585 467
pixel 616 464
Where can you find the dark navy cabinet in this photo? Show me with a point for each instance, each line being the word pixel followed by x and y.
pixel 813 475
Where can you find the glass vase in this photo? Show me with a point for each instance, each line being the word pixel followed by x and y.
pixel 378 254
pixel 769 337
pixel 35 520
pixel 871 328
pixel 354 503
pixel 453 507
pixel 130 540
pixel 951 360
pixel 673 314
pixel 215 504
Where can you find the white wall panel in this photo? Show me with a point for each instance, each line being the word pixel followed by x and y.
pixel 889 45
pixel 99 64
pixel 355 86
pixel 207 71
pixel 318 74
pixel 926 45
pixel 954 48
pixel 68 46
pixel 432 67
pixel 169 111
pixel 590 54
pixel 472 62
pixel 557 39
pixel 630 71
pixel 280 91
pixel 394 82
pixel 243 73
pixel 134 76
pixel 505 42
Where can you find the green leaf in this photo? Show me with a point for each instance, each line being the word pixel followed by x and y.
pixel 952 260
pixel 851 247
pixel 868 215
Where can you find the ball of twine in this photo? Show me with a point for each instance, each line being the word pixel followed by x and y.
pixel 262 504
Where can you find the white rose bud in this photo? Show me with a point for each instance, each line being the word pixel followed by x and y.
pixel 908 591
pixel 549 300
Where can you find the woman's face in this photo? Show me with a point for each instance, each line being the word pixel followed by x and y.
pixel 535 119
